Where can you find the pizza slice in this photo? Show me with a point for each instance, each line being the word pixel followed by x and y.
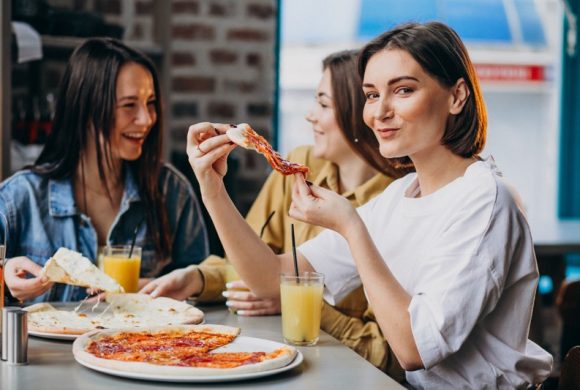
pixel 70 267
pixel 247 137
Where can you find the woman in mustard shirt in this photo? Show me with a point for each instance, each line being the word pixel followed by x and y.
pixel 344 159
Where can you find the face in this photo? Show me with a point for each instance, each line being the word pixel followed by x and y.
pixel 329 141
pixel 406 108
pixel 134 111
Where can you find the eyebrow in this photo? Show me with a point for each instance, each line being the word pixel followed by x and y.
pixel 393 81
pixel 133 97
pixel 321 94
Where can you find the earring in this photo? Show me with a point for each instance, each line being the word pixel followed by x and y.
pixel 356 140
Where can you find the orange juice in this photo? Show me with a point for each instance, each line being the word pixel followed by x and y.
pixel 124 269
pixel 301 300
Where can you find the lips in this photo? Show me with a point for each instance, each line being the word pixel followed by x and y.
pixel 387 132
pixel 135 137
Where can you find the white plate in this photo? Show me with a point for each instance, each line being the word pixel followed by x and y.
pixel 241 343
pixel 53 336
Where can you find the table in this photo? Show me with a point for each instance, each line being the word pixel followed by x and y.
pixel 330 364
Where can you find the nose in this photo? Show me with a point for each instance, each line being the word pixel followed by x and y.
pixel 310 116
pixel 145 116
pixel 384 110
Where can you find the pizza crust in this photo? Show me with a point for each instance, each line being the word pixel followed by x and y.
pixel 126 311
pixel 285 357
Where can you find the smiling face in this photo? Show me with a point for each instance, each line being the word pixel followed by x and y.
pixel 135 111
pixel 329 141
pixel 406 108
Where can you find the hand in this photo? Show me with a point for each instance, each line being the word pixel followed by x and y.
pixel 321 207
pixel 21 287
pixel 207 149
pixel 245 303
pixel 179 284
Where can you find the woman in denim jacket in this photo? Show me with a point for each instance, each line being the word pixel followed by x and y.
pixel 100 178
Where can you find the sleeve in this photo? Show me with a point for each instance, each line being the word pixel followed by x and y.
pixel 329 254
pixel 213 270
pixel 462 279
pixel 364 336
pixel 190 242
pixel 8 226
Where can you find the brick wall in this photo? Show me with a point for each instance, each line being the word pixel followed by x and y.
pixel 222 68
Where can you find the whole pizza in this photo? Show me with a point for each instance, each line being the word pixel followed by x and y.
pixel 183 350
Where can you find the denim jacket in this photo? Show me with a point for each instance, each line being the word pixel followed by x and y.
pixel 42 217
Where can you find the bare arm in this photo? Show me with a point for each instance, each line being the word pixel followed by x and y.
pixel 256 263
pixel 387 297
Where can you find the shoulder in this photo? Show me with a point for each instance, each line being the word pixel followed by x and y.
pixel 172 179
pixel 22 182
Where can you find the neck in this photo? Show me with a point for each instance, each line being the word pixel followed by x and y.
pixel 353 171
pixel 439 167
pixel 88 174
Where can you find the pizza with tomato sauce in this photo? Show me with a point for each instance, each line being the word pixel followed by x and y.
pixel 177 350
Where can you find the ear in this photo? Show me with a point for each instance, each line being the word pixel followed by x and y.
pixel 459 95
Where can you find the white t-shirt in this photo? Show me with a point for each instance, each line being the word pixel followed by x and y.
pixel 466 257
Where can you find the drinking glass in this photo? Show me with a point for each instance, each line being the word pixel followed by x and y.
pixel 124 269
pixel 301 298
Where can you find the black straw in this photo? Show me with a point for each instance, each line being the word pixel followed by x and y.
pixel 266 223
pixel 135 237
pixel 294 250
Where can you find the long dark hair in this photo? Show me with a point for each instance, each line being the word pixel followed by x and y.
pixel 349 101
pixel 440 52
pixel 86 103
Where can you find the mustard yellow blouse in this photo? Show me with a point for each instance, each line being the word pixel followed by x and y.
pixel 350 321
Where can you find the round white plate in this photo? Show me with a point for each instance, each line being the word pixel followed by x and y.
pixel 241 343
pixel 53 336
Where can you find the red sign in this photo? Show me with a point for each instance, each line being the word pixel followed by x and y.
pixel 512 73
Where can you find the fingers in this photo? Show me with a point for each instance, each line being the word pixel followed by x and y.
pixel 259 312
pixel 148 288
pixel 265 304
pixel 237 285
pixel 240 295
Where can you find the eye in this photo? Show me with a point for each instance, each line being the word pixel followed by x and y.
pixel 404 91
pixel 371 95
pixel 128 105
pixel 151 102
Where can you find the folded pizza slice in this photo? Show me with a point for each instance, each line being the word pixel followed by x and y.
pixel 70 267
pixel 247 137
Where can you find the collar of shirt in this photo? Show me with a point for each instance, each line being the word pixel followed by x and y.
pixel 61 195
pixel 328 178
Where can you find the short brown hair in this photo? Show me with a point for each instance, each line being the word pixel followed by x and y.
pixel 441 53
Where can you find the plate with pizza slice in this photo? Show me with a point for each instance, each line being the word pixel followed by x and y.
pixel 183 353
pixel 65 322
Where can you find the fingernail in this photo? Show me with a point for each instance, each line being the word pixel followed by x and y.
pixel 226 294
pixel 228 303
pixel 241 312
pixel 229 285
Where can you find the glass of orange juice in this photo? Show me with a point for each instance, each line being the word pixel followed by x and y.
pixel 301 298
pixel 124 269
